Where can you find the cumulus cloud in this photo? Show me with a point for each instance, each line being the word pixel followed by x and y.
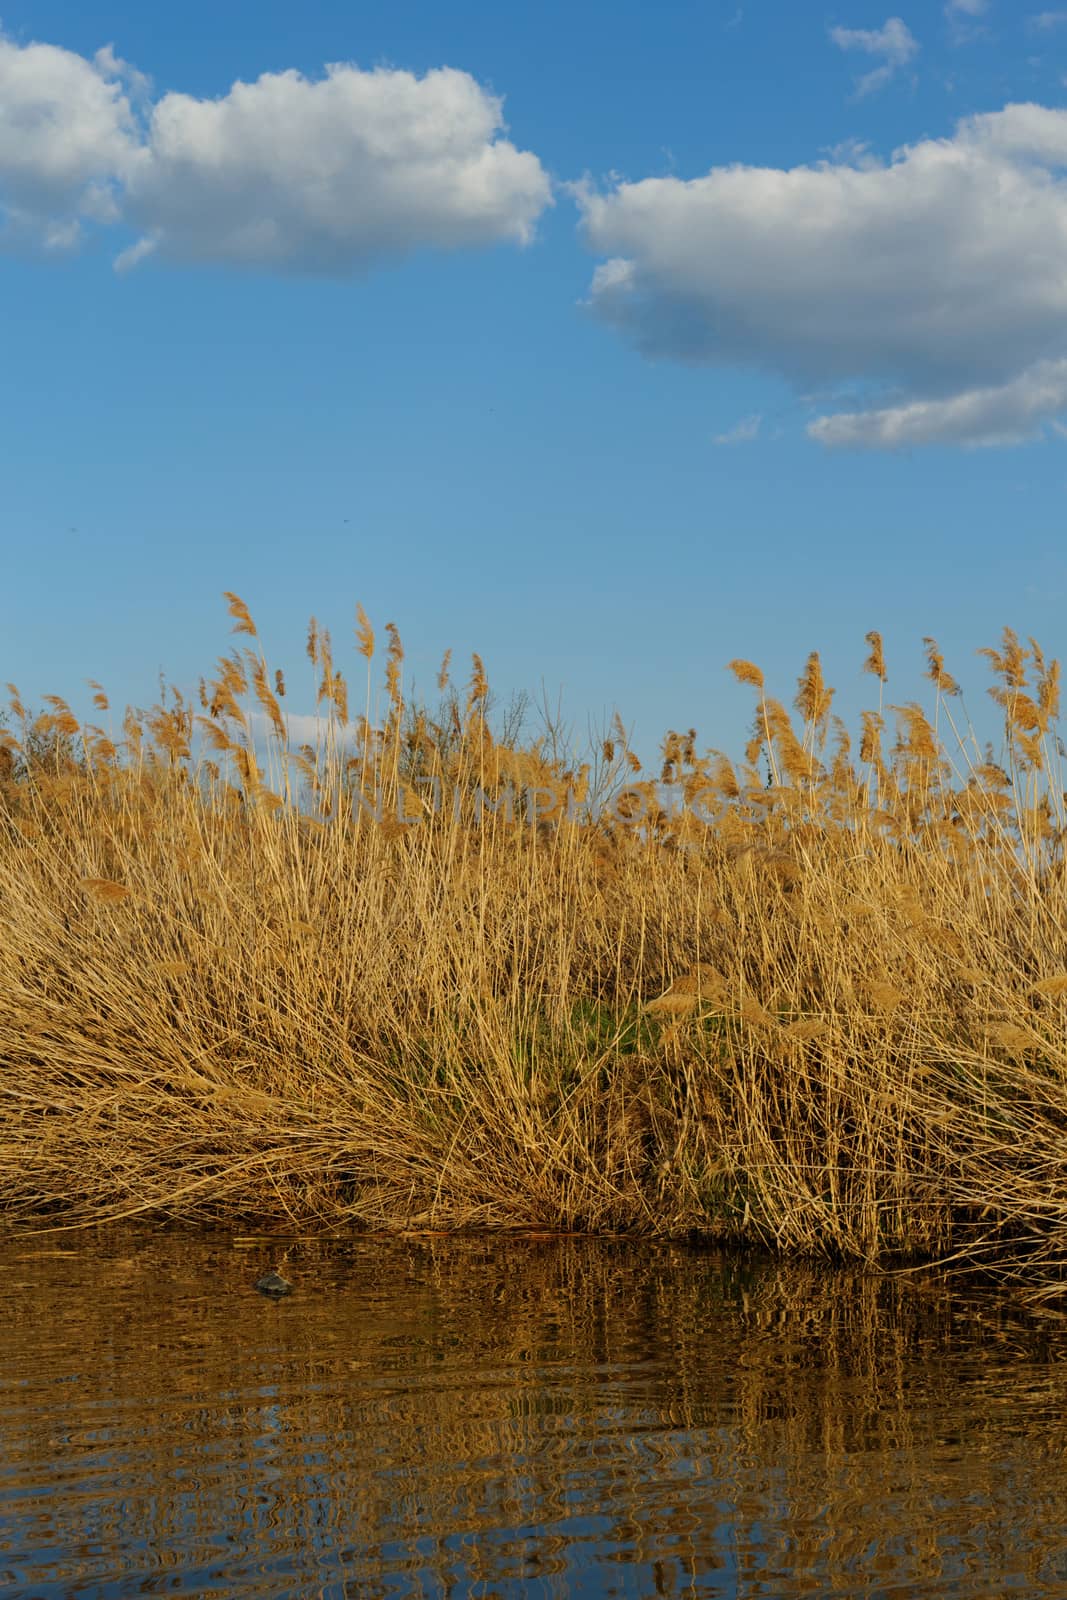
pixel 894 42
pixel 1046 21
pixel 330 175
pixel 335 174
pixel 68 136
pixel 934 283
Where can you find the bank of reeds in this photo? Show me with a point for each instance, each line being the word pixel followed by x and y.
pixel 418 973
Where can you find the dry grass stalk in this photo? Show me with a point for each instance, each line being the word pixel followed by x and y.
pixel 826 1015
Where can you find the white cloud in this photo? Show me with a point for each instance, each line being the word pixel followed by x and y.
pixel 127 259
pixel 328 175
pixel 333 175
pixel 966 8
pixel 304 727
pixel 1024 133
pixel 743 432
pixel 894 42
pixel 68 135
pixel 1005 413
pixel 933 284
pixel 1046 21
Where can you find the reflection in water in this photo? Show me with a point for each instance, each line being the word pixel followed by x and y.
pixel 494 1417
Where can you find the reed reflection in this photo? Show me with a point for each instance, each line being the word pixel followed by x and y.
pixel 428 1416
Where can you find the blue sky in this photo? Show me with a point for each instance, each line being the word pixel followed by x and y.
pixel 641 338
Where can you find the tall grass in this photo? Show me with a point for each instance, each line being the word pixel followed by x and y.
pixel 819 1002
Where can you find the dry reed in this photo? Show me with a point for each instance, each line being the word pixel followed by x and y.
pixel 425 970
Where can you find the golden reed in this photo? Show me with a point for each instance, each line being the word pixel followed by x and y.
pixel 819 1002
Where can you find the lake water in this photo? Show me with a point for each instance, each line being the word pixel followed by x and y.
pixel 526 1417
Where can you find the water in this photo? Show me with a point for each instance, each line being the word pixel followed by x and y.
pixel 515 1417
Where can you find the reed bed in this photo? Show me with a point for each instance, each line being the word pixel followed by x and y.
pixel 427 972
